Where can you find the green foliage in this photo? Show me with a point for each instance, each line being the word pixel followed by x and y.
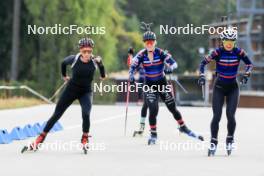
pixel 184 48
pixel 47 51
pixel 40 55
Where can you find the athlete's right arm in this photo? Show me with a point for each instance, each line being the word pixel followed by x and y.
pixel 136 61
pixel 67 61
pixel 207 59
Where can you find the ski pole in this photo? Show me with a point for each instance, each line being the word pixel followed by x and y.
pixel 127 102
pixel 203 91
pixel 172 86
pixel 181 86
pixel 101 92
pixel 58 90
pixel 177 82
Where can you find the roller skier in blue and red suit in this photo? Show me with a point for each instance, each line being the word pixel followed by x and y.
pixel 154 61
pixel 227 59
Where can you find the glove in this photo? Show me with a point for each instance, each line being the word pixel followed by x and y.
pixel 98 59
pixel 130 51
pixel 168 71
pixel 201 80
pixel 131 79
pixel 245 77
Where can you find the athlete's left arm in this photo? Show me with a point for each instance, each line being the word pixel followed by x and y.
pixel 99 62
pixel 168 60
pixel 246 60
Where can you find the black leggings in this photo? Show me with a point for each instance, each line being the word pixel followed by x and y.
pixel 231 92
pixel 144 108
pixel 153 104
pixel 70 94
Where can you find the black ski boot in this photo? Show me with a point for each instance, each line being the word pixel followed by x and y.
pixel 229 143
pixel 153 137
pixel 184 129
pixel 213 146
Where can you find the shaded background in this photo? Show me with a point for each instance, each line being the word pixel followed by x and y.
pixel 34 60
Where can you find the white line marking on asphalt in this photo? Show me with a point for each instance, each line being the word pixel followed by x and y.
pixel 100 121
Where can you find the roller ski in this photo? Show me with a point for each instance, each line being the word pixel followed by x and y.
pixel 35 145
pixel 184 129
pixel 140 131
pixel 153 138
pixel 85 143
pixel 229 143
pixel 212 148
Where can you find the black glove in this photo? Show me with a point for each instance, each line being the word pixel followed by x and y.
pixel 168 70
pixel 130 51
pixel 244 79
pixel 201 80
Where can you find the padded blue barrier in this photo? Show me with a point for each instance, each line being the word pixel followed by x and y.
pixel 29 131
pixel 43 125
pixel 4 137
pixel 57 127
pixel 37 128
pixel 17 134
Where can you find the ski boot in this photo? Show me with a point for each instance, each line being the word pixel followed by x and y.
pixel 140 131
pixel 184 129
pixel 229 143
pixel 85 142
pixel 213 146
pixel 153 138
pixel 36 144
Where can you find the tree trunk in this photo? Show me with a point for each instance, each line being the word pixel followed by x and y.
pixel 15 40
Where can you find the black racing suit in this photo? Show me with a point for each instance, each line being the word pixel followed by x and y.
pixel 220 91
pixel 141 93
pixel 166 96
pixel 78 87
pixel 154 76
pixel 227 67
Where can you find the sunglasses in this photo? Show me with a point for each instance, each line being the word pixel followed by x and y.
pixel 150 42
pixel 228 42
pixel 86 51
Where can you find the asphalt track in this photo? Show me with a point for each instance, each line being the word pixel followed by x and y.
pixel 113 154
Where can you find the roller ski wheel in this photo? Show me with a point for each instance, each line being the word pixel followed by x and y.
pixel 137 133
pixel 211 152
pixel 229 151
pixel 152 139
pixel 35 145
pixel 24 149
pixel 140 131
pixel 85 142
pixel 184 129
pixel 229 145
pixel 213 146
pixel 85 149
